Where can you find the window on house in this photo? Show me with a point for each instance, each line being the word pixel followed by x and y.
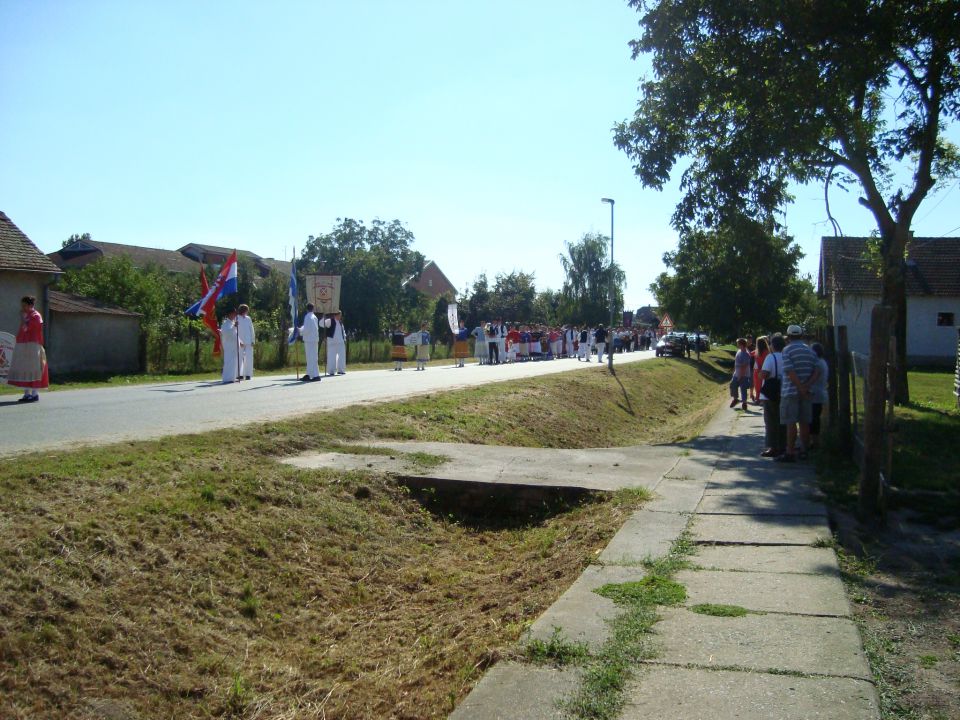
pixel 945 319
pixel 430 284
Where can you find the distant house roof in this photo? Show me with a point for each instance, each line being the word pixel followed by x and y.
pixel 202 253
pixel 424 282
pixel 70 303
pixel 17 251
pixel 282 266
pixel 932 267
pixel 83 252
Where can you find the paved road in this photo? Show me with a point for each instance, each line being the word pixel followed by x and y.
pixel 70 418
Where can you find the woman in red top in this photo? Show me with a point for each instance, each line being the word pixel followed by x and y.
pixel 28 367
pixel 762 351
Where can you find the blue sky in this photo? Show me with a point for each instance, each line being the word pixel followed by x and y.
pixel 485 127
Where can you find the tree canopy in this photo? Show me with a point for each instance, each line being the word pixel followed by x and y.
pixel 374 263
pixel 731 280
pixel 586 289
pixel 757 94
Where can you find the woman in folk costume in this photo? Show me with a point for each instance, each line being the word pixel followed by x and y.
pixel 480 348
pixel 423 348
pixel 398 349
pixel 461 345
pixel 28 366
pixel 513 343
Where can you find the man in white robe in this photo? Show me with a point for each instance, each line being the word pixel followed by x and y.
pixel 247 338
pixel 336 344
pixel 310 332
pixel 228 339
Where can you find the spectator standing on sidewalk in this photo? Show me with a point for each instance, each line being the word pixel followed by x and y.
pixel 741 375
pixel 800 374
pixel 818 395
pixel 775 434
pixel 761 354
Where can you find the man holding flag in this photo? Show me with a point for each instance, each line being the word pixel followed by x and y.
pixel 224 284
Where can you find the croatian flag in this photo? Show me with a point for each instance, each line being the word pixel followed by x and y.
pixel 294 334
pixel 225 284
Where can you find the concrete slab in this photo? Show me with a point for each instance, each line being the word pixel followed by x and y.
pixel 739 476
pixel 761 503
pixel 768 558
pixel 676 496
pixel 760 530
pixel 645 535
pixel 765 643
pixel 580 613
pixel 767 592
pixel 696 694
pixel 592 469
pixel 510 690
pixel 697 466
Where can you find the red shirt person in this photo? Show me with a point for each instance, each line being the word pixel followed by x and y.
pixel 28 367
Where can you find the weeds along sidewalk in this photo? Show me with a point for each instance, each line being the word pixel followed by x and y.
pixel 720 599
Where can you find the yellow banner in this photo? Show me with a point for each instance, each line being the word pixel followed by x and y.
pixel 324 292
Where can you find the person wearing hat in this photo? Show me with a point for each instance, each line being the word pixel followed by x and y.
pixel 247 339
pixel 336 344
pixel 800 372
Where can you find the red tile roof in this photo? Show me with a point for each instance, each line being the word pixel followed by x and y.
pixel 932 267
pixel 70 303
pixel 17 252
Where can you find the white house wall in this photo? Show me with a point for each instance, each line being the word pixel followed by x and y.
pixel 926 342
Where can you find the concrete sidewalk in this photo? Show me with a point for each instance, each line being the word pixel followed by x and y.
pixel 759 529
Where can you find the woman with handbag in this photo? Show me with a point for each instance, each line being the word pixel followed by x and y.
pixel 771 376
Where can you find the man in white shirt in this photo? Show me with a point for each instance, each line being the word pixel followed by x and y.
pixel 247 339
pixel 336 344
pixel 228 339
pixel 310 332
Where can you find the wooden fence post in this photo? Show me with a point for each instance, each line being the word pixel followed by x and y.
pixel 873 411
pixel 830 350
pixel 843 390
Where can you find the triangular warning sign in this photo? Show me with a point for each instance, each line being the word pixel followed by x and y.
pixel 666 322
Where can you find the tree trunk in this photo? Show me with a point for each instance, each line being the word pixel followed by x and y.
pixel 873 413
pixel 893 294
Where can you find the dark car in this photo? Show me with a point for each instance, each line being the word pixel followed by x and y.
pixel 704 341
pixel 670 344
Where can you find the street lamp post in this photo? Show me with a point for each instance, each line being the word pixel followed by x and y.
pixel 610 329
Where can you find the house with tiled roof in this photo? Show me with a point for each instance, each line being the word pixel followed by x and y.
pixel 89 336
pixel 82 252
pixel 850 282
pixel 217 256
pixel 24 270
pixel 431 281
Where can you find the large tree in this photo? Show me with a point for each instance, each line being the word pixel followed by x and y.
pixel 714 284
pixel 374 263
pixel 586 289
pixel 755 94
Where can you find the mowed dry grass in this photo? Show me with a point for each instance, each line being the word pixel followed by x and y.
pixel 196 577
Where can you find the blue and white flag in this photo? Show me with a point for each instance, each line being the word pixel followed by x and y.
pixel 294 332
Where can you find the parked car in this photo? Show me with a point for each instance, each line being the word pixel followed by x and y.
pixel 704 341
pixel 670 344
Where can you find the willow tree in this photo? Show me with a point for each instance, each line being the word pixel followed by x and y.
pixel 754 94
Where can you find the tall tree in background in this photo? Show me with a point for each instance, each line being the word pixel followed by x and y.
pixel 757 94
pixel 730 280
pixel 586 288
pixel 512 297
pixel 374 263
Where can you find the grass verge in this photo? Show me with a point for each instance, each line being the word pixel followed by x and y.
pixel 600 694
pixel 195 576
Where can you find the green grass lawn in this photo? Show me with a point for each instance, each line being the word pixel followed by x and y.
pixel 196 576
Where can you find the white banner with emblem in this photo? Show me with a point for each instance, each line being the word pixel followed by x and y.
pixel 7 341
pixel 452 318
pixel 324 292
